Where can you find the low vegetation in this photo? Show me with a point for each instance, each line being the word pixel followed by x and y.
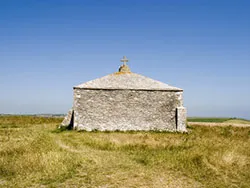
pixel 34 153
pixel 217 120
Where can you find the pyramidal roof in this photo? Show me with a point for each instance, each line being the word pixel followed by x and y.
pixel 126 80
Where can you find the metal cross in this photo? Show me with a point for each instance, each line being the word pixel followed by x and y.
pixel 124 60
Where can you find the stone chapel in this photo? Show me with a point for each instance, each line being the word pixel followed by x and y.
pixel 126 101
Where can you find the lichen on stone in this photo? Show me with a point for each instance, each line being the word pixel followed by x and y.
pixel 124 68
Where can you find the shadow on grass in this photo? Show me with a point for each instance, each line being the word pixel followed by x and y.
pixel 62 129
pixel 66 128
pixel 69 128
pixel 133 131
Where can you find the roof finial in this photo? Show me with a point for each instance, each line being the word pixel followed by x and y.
pixel 124 60
pixel 124 68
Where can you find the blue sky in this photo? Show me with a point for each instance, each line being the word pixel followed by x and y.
pixel 49 46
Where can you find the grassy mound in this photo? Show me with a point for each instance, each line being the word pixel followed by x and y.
pixel 35 153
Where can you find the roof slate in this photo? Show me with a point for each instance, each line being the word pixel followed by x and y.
pixel 126 81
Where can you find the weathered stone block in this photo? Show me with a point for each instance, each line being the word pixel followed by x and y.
pixel 125 110
pixel 181 119
pixel 69 119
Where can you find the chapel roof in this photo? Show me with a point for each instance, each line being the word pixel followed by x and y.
pixel 126 80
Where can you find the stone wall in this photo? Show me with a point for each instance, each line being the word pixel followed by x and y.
pixel 126 110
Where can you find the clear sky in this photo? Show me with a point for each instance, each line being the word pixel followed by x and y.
pixel 49 46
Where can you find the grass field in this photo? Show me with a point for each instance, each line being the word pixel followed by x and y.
pixel 218 120
pixel 34 153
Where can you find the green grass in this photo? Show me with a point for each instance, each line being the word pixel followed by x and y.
pixel 34 153
pixel 215 120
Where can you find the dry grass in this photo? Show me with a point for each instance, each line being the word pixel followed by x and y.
pixel 34 153
pixel 237 121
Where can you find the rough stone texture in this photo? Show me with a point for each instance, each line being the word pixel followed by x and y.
pixel 68 120
pixel 122 80
pixel 124 68
pixel 127 101
pixel 181 119
pixel 126 110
